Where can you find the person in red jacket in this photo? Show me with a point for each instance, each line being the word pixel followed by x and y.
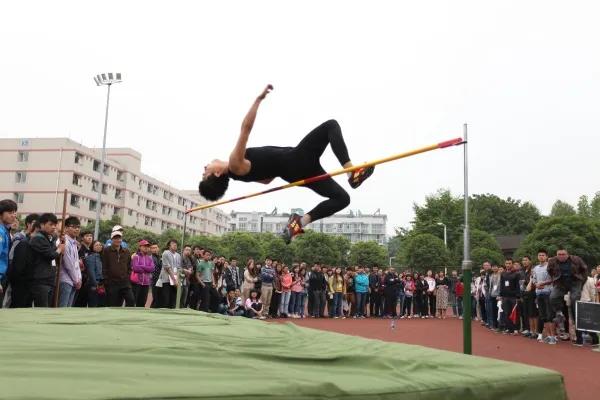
pixel 460 290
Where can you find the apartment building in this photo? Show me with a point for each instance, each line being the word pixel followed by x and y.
pixel 355 226
pixel 35 172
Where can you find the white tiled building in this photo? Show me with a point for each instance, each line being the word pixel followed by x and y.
pixel 35 172
pixel 357 227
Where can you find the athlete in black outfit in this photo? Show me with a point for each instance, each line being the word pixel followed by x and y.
pixel 263 164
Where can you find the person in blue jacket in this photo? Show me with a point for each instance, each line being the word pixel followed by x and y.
pixel 8 216
pixel 361 288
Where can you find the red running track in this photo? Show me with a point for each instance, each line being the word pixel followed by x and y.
pixel 579 366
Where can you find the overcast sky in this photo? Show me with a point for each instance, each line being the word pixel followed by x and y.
pixel 397 75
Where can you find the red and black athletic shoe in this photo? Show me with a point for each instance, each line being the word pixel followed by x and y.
pixel 293 228
pixel 359 176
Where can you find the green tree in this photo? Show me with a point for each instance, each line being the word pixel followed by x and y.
pixel 274 246
pixel 488 213
pixel 595 206
pixel 368 254
pixel 312 247
pixel 440 207
pixel 212 243
pixel 499 216
pixel 133 236
pixel 584 208
pixel 342 248
pixel 580 236
pixel 484 247
pixel 106 226
pixel 424 250
pixel 170 234
pixel 562 209
pixel 242 245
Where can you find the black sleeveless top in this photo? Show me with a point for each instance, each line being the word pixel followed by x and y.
pixel 267 162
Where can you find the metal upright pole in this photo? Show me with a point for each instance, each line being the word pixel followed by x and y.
pixel 99 201
pixel 180 276
pixel 466 264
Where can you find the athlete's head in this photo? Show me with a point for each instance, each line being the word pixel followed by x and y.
pixel 215 180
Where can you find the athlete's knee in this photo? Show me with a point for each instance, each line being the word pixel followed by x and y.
pixel 343 199
pixel 333 125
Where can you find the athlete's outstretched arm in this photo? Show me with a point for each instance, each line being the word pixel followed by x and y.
pixel 237 160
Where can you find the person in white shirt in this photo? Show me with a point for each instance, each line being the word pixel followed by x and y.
pixel 168 280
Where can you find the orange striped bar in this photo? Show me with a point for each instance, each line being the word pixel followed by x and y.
pixel 441 145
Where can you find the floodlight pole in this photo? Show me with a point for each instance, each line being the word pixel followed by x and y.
pixel 103 80
pixel 99 198
pixel 466 263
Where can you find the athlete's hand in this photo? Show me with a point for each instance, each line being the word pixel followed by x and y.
pixel 265 92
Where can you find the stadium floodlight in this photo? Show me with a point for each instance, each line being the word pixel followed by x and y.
pixel 106 79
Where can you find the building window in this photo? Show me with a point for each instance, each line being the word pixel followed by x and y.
pixel 77 180
pixel 23 156
pixel 180 215
pixel 78 158
pixel 106 169
pixel 116 211
pixel 118 193
pixel 93 205
pixel 120 176
pixel 132 195
pixel 75 200
pixel 242 226
pixel 21 177
pixel 130 212
pixel 95 186
pixel 147 221
pixel 18 197
pixel 104 188
pixel 96 166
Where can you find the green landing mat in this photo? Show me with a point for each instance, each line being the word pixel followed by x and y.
pixel 109 353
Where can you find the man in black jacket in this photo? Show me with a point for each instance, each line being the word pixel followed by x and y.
pixel 20 261
pixel 509 292
pixel 375 296
pixel 568 273
pixel 390 291
pixel 43 261
pixel 318 286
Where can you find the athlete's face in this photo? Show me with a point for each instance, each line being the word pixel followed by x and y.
pixel 215 167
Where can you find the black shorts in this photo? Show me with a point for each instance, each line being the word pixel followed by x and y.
pixel 529 304
pixel 544 308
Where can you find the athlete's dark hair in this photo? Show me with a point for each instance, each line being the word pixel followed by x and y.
pixel 213 187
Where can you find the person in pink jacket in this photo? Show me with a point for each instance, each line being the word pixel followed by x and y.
pixel 142 267
pixel 286 291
